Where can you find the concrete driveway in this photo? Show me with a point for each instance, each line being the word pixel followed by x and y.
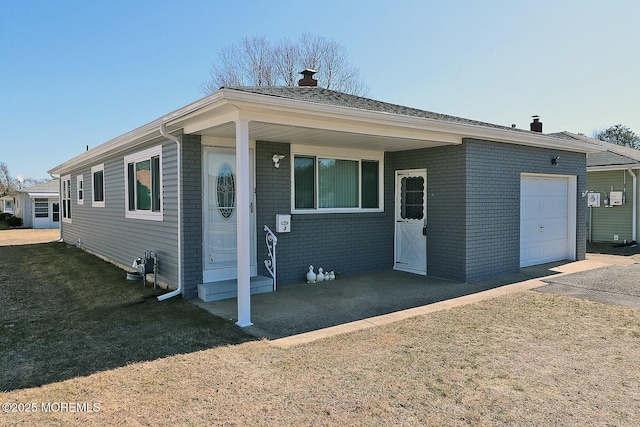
pixel 28 236
pixel 618 282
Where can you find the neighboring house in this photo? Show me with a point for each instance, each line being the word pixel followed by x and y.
pixel 39 205
pixel 6 204
pixel 368 186
pixel 612 181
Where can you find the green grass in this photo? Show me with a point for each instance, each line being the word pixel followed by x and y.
pixel 66 313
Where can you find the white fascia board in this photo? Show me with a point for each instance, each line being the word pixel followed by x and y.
pixel 613 167
pixel 36 195
pixel 140 135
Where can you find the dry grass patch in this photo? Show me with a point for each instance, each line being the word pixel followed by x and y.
pixel 523 359
pixel 65 313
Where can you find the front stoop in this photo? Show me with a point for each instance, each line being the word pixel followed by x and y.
pixel 225 289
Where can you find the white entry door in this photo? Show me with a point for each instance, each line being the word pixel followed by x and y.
pixel 40 213
pixel 219 204
pixel 411 220
pixel 547 219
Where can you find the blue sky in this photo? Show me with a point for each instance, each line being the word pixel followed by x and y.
pixel 77 73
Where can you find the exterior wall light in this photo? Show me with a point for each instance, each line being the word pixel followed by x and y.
pixel 276 159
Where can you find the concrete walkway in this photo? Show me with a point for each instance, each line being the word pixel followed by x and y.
pixel 302 313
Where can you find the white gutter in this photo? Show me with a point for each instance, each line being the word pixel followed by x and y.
pixel 163 132
pixel 634 210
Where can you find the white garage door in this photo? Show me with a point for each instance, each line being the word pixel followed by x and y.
pixel 545 220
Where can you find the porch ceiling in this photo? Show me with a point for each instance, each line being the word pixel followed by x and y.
pixel 261 131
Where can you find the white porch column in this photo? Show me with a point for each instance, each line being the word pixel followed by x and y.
pixel 243 198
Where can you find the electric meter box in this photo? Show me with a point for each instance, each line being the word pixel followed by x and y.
pixel 283 223
pixel 615 198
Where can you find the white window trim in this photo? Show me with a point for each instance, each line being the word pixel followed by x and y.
pixel 79 186
pixel 65 195
pixel 135 157
pixel 340 154
pixel 94 203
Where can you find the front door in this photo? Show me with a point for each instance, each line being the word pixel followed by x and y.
pixel 411 221
pixel 219 204
pixel 40 213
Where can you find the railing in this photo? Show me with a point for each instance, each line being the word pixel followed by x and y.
pixel 271 240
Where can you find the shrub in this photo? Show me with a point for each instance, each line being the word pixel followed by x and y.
pixel 14 221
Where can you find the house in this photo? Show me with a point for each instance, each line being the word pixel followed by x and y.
pixel 39 205
pixel 6 204
pixel 347 183
pixel 612 187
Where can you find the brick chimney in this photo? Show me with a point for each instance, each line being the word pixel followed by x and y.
pixel 536 124
pixel 307 78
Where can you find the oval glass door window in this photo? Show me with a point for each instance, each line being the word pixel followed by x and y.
pixel 226 191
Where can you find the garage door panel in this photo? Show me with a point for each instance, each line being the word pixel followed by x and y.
pixel 544 223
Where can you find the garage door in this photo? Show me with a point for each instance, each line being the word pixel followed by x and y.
pixel 545 225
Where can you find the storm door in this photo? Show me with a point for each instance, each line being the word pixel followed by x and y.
pixel 411 221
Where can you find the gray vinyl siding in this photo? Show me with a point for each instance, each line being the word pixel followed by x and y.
pixel 106 232
pixel 191 214
pixel 617 220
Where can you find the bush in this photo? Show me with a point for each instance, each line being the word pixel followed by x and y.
pixel 14 221
pixel 5 216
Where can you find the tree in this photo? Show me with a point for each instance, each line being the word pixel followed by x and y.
pixel 7 183
pixel 10 186
pixel 619 134
pixel 257 62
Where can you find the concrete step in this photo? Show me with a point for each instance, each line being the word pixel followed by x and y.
pixel 225 289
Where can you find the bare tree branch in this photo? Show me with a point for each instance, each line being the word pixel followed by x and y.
pixel 286 60
pixel 258 62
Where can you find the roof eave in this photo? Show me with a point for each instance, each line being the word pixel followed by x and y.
pixel 613 167
pixel 140 135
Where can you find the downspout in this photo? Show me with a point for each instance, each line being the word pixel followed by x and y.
pixel 634 209
pixel 164 133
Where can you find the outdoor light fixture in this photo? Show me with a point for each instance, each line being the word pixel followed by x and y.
pixel 554 161
pixel 276 159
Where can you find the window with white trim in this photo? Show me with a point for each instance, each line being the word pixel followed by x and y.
pixel 97 185
pixel 66 198
pixel 143 184
pixel 337 182
pixel 80 189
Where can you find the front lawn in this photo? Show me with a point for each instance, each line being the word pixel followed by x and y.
pixel 66 313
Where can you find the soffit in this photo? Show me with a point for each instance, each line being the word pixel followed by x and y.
pixel 261 131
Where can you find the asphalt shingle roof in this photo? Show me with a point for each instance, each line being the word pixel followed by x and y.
pixel 614 156
pixel 320 95
pixel 52 186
